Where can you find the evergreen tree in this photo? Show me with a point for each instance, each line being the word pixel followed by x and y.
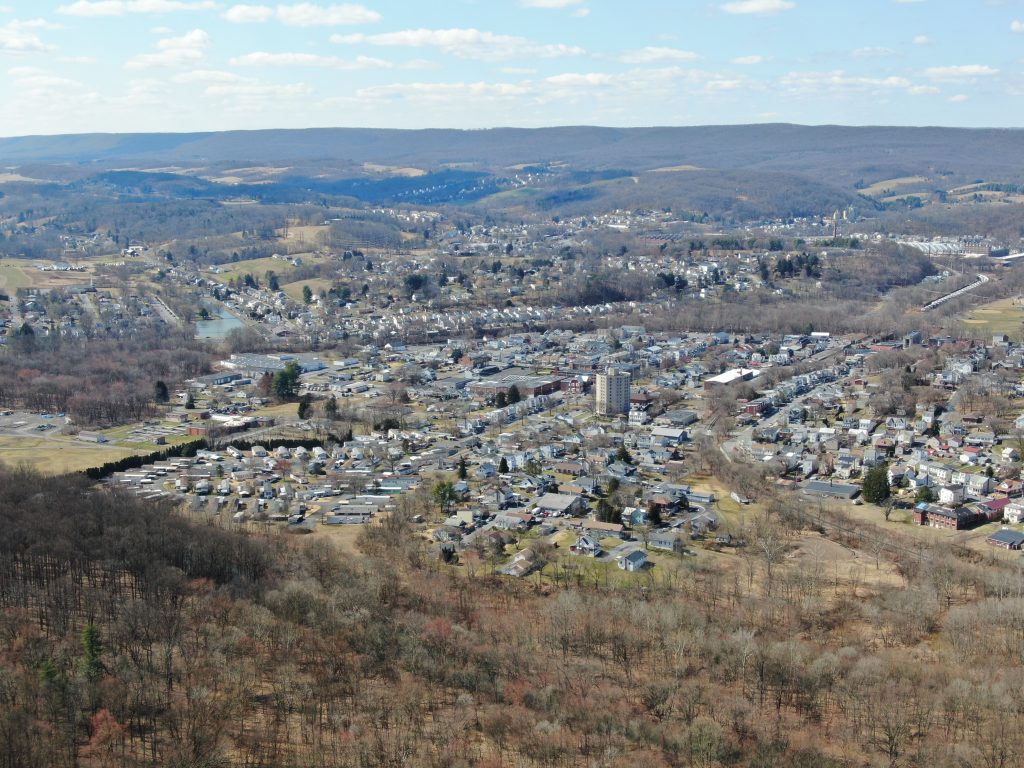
pixel 160 393
pixel 331 408
pixel 286 382
pixel 444 495
pixel 463 469
pixel 503 466
pixel 92 650
pixel 876 484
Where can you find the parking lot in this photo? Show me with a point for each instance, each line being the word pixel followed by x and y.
pixel 151 433
pixel 30 424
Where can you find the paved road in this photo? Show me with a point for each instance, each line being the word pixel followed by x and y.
pixel 165 312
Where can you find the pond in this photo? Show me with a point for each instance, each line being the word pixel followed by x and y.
pixel 218 327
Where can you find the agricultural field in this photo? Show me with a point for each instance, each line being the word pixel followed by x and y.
pixel 1002 316
pixel 13 275
pixel 889 185
pixel 55 456
pixel 294 290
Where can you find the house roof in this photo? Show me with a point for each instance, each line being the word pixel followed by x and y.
pixel 1012 538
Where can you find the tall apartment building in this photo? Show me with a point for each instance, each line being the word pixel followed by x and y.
pixel 612 392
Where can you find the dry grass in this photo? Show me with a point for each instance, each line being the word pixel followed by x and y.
pixel 677 169
pixel 55 456
pixel 1003 316
pixel 294 290
pixel 903 181
pixel 394 170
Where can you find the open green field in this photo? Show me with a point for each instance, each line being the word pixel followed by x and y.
pixel 124 439
pixel 1003 316
pixel 294 290
pixel 57 456
pixel 259 267
pixel 13 276
pixel 879 187
pixel 255 267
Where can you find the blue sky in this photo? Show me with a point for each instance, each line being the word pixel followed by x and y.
pixel 184 65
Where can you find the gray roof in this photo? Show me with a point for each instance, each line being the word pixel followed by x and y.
pixel 834 490
pixel 1012 538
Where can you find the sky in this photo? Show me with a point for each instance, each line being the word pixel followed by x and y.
pixel 203 65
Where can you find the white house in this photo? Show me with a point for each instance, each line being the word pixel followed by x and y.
pixel 634 561
pixel 951 495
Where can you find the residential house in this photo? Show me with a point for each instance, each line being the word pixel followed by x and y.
pixel 558 504
pixel 667 540
pixel 598 528
pixel 1006 539
pixel 633 561
pixel 586 545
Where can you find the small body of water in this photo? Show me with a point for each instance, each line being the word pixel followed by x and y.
pixel 219 327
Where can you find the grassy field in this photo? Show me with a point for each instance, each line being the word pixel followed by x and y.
pixel 57 456
pixel 1003 316
pixel 124 439
pixel 678 169
pixel 294 290
pixel 877 188
pixel 13 276
pixel 255 267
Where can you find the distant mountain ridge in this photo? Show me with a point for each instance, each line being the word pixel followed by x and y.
pixel 838 154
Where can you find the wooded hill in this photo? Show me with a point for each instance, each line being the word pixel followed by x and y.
pixel 134 637
pixel 731 173
pixel 844 153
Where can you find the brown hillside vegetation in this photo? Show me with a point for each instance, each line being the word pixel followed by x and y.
pixel 132 636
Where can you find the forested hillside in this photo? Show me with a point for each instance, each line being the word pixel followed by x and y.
pixel 135 637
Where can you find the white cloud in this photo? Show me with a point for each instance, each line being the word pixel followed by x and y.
pixel 464 43
pixel 755 59
pixel 309 15
pixel 873 53
pixel 839 82
pixel 122 7
pixel 16 37
pixel 303 14
pixel 173 51
pixel 209 76
pixel 434 93
pixel 922 40
pixel 958 98
pixel 78 59
pixel 1017 26
pixel 960 72
pixel 652 54
pixel 258 90
pixel 761 7
pixel 567 89
pixel 579 80
pixel 723 85
pixel 921 90
pixel 34 24
pixel 41 88
pixel 263 59
pixel 146 92
pixel 245 14
pixel 581 13
pixel 907 2
pixel 550 3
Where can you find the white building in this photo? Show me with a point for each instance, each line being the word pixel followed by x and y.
pixel 612 392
